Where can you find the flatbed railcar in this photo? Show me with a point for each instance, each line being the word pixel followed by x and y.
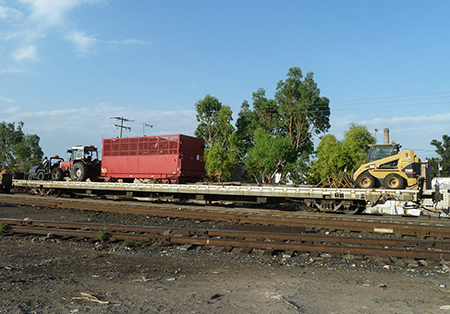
pixel 347 200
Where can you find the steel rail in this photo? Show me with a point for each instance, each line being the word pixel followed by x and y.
pixel 434 249
pixel 430 228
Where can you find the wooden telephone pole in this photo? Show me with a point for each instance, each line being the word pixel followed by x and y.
pixel 121 126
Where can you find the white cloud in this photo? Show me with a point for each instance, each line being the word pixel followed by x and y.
pixel 51 12
pixel 29 21
pixel 412 132
pixel 8 100
pixel 10 14
pixel 130 42
pixel 83 43
pixel 88 125
pixel 11 70
pixel 26 53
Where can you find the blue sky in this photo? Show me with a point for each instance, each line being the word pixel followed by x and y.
pixel 67 66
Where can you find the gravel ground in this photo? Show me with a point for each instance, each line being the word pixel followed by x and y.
pixel 50 275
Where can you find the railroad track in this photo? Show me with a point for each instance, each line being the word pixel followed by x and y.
pixel 248 239
pixel 419 227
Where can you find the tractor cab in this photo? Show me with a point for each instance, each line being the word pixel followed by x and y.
pixel 83 153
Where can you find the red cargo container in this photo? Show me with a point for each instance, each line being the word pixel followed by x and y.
pixel 178 158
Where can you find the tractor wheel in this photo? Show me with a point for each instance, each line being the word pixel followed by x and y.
pixel 365 180
pixel 41 176
pixel 30 177
pixel 79 172
pixel 393 181
pixel 57 174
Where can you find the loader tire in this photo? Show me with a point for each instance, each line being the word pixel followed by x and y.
pixel 393 181
pixel 57 174
pixel 41 176
pixel 365 180
pixel 79 172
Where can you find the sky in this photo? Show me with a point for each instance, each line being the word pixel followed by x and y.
pixel 68 66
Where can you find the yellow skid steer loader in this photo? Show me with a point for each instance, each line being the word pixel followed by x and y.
pixel 388 167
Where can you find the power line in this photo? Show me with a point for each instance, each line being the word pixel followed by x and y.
pixel 393 97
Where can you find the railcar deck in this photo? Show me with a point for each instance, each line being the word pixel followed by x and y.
pixel 257 193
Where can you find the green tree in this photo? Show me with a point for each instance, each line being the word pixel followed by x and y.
pixel 216 129
pixel 242 138
pixel 265 112
pixel 302 111
pixel 328 160
pixel 18 151
pixel 207 114
pixel 355 146
pixel 297 113
pixel 346 156
pixel 268 156
pixel 440 166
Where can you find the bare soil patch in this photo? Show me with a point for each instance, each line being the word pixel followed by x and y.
pixel 51 275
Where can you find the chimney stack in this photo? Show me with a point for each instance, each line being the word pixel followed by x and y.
pixel 386 136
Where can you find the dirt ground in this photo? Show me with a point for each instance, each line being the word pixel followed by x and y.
pixel 43 274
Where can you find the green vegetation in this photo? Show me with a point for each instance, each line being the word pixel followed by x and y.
pixel 216 129
pixel 440 166
pixel 346 156
pixel 104 235
pixel 2 227
pixel 274 137
pixel 18 151
pixel 131 244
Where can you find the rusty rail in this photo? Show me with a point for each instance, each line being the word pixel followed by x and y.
pixel 296 242
pixel 397 226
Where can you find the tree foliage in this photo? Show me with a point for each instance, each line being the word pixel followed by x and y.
pixel 272 136
pixel 216 129
pixel 441 166
pixel 334 157
pixel 301 109
pixel 18 151
pixel 268 156
pixel 295 114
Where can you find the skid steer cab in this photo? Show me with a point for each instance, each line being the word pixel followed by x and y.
pixel 388 167
pixel 46 169
pixel 83 164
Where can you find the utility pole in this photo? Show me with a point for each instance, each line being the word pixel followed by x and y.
pixel 121 126
pixel 143 127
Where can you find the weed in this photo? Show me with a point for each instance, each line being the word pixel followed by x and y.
pixel 131 244
pixel 2 227
pixel 104 235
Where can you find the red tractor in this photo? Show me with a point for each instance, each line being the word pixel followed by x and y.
pixel 83 163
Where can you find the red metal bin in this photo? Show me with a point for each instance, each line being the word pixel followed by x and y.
pixel 178 158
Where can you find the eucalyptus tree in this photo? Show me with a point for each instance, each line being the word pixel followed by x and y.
pixel 18 151
pixel 216 129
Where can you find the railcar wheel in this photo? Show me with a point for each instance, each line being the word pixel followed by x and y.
pixel 393 181
pixel 57 174
pixel 79 172
pixel 353 210
pixel 365 180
